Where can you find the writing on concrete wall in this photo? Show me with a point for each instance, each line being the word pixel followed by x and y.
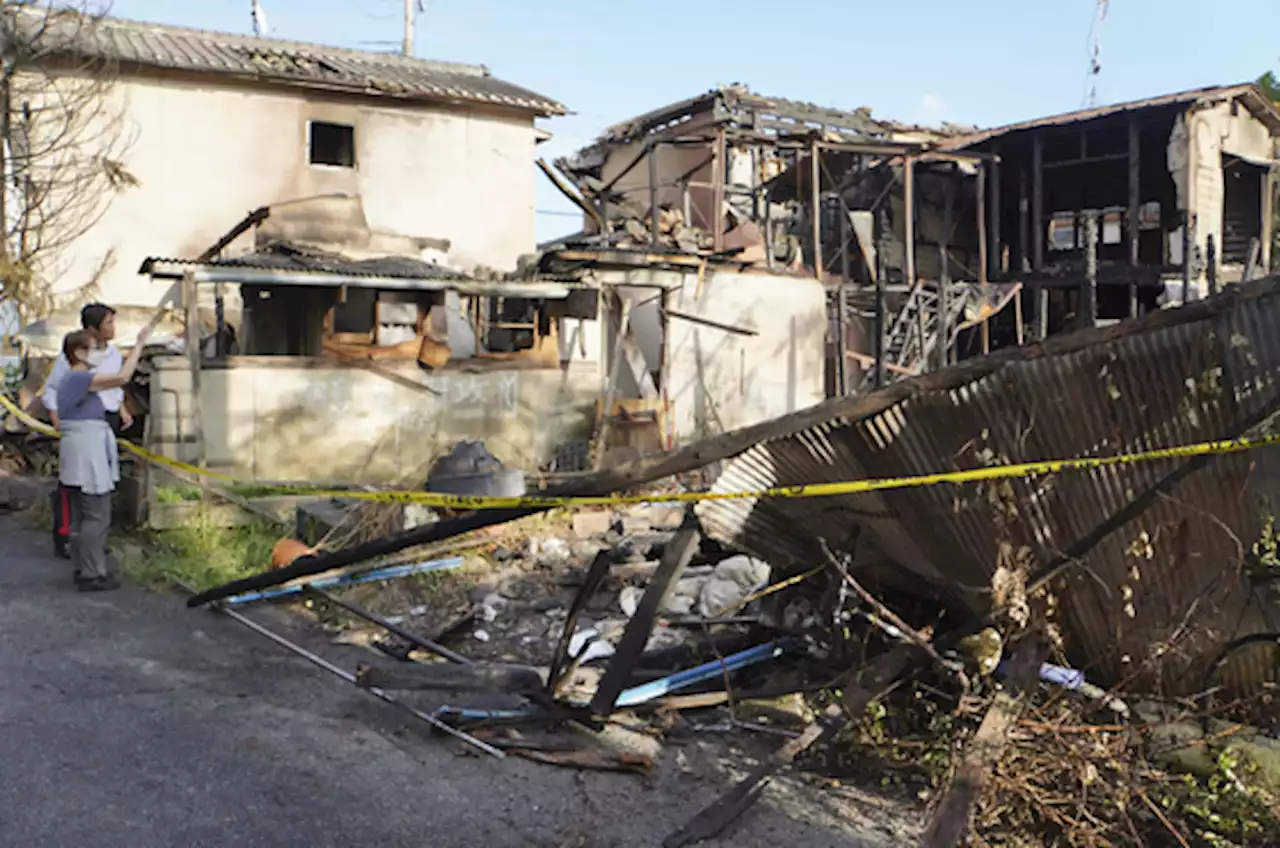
pixel 482 395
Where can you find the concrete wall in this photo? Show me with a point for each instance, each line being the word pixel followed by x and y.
pixel 207 152
pixel 1196 146
pixel 270 418
pixel 719 380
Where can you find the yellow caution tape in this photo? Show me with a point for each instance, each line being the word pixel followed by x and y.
pixel 808 490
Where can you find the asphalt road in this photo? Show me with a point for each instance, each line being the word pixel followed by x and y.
pixel 128 720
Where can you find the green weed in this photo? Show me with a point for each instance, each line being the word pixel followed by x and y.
pixel 203 554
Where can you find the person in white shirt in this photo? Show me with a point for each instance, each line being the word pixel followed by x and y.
pixel 99 320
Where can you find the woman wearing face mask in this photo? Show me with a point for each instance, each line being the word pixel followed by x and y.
pixel 89 465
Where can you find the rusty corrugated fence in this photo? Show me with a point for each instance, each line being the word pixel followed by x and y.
pixel 1179 562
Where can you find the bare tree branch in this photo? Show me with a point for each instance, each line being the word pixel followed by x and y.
pixel 63 144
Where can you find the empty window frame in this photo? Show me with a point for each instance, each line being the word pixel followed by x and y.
pixel 331 144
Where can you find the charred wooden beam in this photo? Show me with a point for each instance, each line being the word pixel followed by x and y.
pixel 675 558
pixel 448 677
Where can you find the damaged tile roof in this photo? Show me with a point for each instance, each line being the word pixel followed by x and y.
pixel 282 62
pixel 282 256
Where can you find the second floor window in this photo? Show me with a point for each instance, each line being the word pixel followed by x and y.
pixel 332 144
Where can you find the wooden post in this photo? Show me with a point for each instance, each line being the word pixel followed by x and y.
pixel 944 275
pixel 191 303
pixel 654 228
pixel 1037 235
pixel 882 246
pixel 909 222
pixel 1268 219
pixel 1211 266
pixel 1188 248
pixel 1024 224
pixel 611 388
pixel 720 176
pixel 842 305
pixel 1135 205
pixel 815 206
pixel 1089 295
pixel 981 205
pixel 995 249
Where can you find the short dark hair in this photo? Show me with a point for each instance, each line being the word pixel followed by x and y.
pixel 76 341
pixel 93 314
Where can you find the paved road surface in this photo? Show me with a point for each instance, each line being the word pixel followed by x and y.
pixel 127 720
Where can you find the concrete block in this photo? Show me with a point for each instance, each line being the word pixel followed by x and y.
pixel 665 516
pixel 591 523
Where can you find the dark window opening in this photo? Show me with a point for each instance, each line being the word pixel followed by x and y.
pixel 333 144
pixel 356 315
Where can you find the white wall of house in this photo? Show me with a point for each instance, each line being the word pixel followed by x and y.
pixel 718 380
pixel 207 152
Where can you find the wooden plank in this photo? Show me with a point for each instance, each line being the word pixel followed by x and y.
pixel 950 821
pixel 675 558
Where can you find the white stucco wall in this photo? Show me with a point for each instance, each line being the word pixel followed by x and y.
pixel 206 153
pixel 719 380
pixel 1199 139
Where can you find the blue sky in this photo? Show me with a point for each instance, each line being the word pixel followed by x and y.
pixel 982 62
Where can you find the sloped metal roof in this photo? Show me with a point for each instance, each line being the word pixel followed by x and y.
pixel 1176 380
pixel 282 62
pixel 1248 93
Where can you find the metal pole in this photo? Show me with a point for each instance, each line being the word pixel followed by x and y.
pixel 351 678
pixel 413 638
pixel 407 47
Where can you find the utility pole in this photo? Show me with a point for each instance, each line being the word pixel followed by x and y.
pixel 407 49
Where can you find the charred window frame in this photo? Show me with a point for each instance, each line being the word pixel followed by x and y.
pixel 331 145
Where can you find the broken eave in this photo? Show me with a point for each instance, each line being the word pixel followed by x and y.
pixel 207 273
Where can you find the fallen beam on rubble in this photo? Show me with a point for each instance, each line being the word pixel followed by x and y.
pixel 859 690
pixel 449 677
pixel 649 469
pixel 950 821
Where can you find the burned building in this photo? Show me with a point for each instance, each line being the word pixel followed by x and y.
pixel 1152 175
pixel 806 190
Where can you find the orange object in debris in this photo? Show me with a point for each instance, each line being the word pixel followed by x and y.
pixel 286 551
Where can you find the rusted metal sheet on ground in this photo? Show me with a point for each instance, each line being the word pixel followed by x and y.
pixel 1171 385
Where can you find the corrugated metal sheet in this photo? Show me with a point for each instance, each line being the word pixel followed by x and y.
pixel 1168 386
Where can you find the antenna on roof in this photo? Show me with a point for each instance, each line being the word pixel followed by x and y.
pixel 260 27
pixel 1095 55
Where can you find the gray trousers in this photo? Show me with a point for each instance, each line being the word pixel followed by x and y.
pixel 90 523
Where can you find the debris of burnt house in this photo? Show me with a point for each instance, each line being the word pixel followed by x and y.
pixel 1192 168
pixel 889 223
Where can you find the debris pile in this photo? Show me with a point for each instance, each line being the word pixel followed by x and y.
pixel 1052 656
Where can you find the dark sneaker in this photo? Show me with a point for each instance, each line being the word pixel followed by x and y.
pixel 100 584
